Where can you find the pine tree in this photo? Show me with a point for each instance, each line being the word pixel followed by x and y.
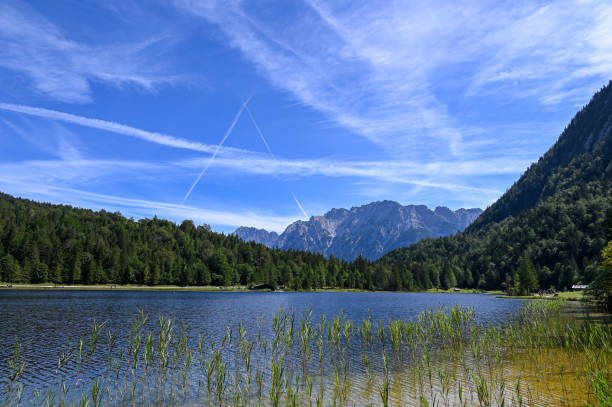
pixel 42 273
pixel 14 270
pixel 601 288
pixel 528 279
pixel 448 277
pixel 156 275
pixel 76 269
pixel 4 268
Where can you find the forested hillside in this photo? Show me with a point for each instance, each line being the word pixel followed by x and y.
pixel 554 215
pixel 43 242
pixel 61 244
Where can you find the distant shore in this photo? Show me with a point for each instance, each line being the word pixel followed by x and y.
pixel 241 288
pixel 130 287
pixel 118 287
pixel 565 295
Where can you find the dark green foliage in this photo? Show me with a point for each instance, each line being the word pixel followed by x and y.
pixel 60 244
pixel 609 222
pixel 448 277
pixel 527 278
pixel 555 214
pixel 601 289
pixel 44 243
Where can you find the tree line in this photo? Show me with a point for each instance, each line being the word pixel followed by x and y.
pixel 59 244
pixel 42 243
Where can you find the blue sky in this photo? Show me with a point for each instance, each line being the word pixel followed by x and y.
pixel 122 105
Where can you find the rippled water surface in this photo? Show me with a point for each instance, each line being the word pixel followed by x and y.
pixel 49 322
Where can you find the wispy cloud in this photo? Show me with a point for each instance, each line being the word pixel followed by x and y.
pixel 434 174
pixel 63 69
pixel 551 51
pixel 140 208
pixel 442 176
pixel 63 146
pixel 383 70
pixel 390 171
pixel 82 171
pixel 323 70
pixel 255 162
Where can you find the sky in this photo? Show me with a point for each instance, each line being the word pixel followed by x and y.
pixel 263 112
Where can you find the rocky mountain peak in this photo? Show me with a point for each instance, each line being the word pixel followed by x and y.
pixel 369 230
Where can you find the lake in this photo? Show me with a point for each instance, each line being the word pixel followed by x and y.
pixel 48 323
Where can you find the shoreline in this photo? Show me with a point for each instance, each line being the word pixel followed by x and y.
pixel 121 287
pixel 129 287
pixel 564 295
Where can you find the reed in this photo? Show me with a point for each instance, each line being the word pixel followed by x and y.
pixel 442 358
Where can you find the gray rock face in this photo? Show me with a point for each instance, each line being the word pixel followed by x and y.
pixel 249 234
pixel 370 230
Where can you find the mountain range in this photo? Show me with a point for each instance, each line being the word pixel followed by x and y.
pixel 369 230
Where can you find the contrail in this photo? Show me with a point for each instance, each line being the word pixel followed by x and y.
pixel 299 205
pixel 259 131
pixel 113 127
pixel 297 201
pixel 212 158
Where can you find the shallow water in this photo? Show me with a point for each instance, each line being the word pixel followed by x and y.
pixel 49 322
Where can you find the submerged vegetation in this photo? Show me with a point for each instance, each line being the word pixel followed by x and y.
pixel 441 358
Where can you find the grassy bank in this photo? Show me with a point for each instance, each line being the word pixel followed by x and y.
pixel 565 295
pixel 442 358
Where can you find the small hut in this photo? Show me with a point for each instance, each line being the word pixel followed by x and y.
pixel 263 286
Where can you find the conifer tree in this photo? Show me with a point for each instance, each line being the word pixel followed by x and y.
pixel 528 279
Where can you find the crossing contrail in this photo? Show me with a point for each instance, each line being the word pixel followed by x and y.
pixel 297 201
pixel 299 205
pixel 259 132
pixel 212 158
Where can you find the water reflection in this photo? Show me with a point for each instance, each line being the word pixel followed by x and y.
pixel 238 341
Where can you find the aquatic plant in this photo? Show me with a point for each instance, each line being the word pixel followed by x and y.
pixel 444 357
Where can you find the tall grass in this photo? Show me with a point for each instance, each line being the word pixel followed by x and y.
pixel 441 358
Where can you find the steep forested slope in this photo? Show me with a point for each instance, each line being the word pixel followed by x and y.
pixel 554 214
pixel 586 136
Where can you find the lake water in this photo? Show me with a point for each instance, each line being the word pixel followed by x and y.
pixel 47 323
